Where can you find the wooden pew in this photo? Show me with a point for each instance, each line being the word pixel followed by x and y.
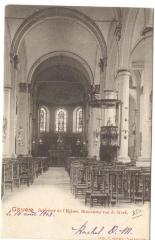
pixel 45 163
pixel 7 175
pixel 21 170
pixel 116 183
pixel 109 184
pixel 135 191
pixel 2 182
pixel 76 176
pixel 26 170
pixel 146 184
pixel 99 188
pixel 16 171
pixel 40 165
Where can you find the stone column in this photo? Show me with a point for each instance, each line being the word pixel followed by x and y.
pixel 6 122
pixel 22 135
pixel 94 132
pixel 90 132
pixel 95 115
pixel 123 77
pixel 70 119
pixel 34 122
pixel 13 108
pixel 144 159
pixel 103 67
pixel 30 119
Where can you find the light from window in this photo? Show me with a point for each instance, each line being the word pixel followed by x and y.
pixel 43 119
pixel 61 120
pixel 79 120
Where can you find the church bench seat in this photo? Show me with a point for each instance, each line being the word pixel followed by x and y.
pixel 80 189
pixel 45 161
pixel 10 174
pixel 99 198
pixel 123 184
pixel 40 165
pixel 26 170
pixel 16 171
pixel 7 175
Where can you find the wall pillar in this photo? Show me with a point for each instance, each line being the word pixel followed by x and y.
pixel 94 132
pixel 22 135
pixel 123 77
pixel 13 107
pixel 144 160
pixel 6 122
pixel 94 118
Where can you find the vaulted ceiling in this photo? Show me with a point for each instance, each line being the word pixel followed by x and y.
pixel 61 81
pixel 60 33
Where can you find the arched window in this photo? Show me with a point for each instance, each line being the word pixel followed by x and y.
pixel 61 120
pixel 43 119
pixel 78 120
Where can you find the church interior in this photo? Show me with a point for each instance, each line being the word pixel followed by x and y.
pixel 78 102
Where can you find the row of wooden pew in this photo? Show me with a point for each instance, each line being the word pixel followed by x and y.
pixel 103 184
pixel 21 170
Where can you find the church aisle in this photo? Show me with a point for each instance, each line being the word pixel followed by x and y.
pixel 55 177
pixel 50 191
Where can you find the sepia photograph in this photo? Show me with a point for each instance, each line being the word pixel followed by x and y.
pixel 77 122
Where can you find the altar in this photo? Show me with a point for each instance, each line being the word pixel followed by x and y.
pixel 58 157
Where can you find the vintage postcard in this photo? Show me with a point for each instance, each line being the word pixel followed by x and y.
pixel 77 123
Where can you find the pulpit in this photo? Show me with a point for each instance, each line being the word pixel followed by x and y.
pixel 109 143
pixel 110 108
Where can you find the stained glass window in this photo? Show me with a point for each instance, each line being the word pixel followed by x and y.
pixel 61 120
pixel 79 120
pixel 43 119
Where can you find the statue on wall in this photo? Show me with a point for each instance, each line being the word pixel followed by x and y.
pixel 93 93
pixel 4 130
pixel 20 136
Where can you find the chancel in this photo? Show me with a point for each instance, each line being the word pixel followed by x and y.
pixel 78 101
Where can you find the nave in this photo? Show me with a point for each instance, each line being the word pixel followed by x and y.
pixel 77 118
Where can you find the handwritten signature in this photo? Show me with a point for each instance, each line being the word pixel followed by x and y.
pixel 85 229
